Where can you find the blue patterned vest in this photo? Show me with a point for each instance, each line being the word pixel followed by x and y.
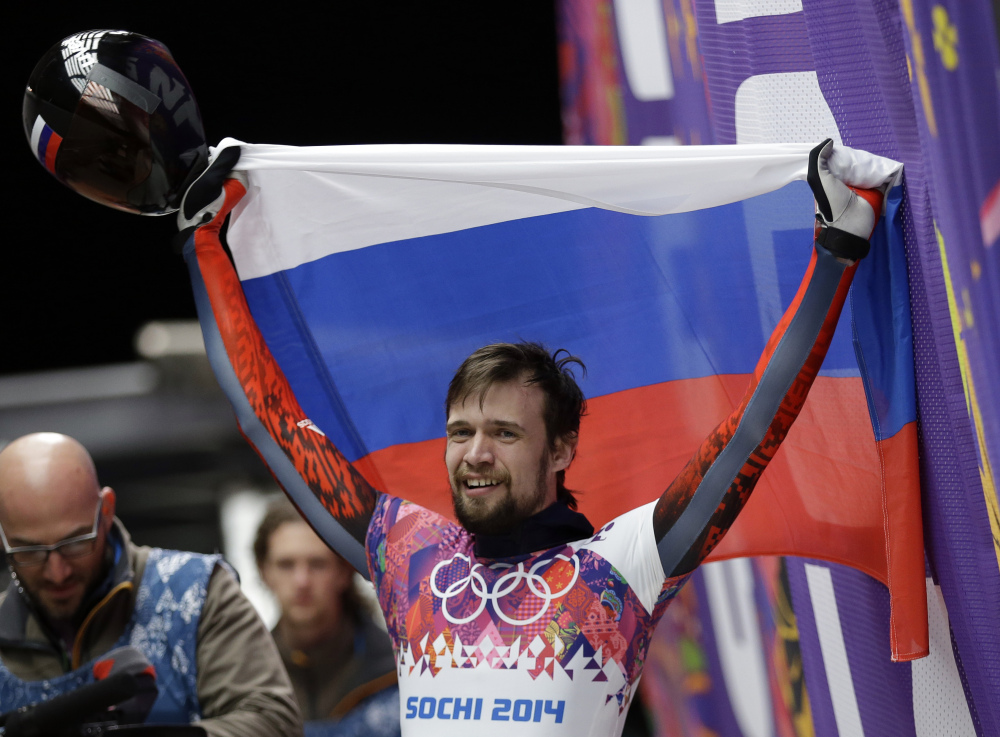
pixel 163 626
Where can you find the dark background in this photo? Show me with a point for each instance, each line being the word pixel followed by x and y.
pixel 78 279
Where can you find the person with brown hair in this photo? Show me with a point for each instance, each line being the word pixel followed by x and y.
pixel 337 657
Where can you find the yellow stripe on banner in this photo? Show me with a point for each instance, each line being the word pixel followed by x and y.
pixel 971 403
pixel 789 670
pixel 919 65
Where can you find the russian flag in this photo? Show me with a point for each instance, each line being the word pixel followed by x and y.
pixel 366 274
pixel 45 144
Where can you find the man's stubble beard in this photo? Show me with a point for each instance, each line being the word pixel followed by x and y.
pixel 484 517
pixel 37 597
pixel 77 614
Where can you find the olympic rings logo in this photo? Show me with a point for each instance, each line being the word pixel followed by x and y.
pixel 501 587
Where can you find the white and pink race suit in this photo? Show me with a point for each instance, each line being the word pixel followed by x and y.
pixel 550 642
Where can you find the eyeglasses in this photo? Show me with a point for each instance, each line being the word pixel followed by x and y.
pixel 73 547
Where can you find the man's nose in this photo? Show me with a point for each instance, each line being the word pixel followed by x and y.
pixel 480 450
pixel 300 575
pixel 57 569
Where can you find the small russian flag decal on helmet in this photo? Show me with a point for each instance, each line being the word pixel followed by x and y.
pixel 45 143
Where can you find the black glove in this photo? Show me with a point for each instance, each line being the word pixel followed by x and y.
pixel 204 197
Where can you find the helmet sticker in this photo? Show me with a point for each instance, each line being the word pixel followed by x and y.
pixel 122 85
pixel 45 143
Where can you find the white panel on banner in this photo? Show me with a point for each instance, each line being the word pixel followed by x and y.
pixel 643 41
pixel 831 642
pixel 783 107
pixel 940 708
pixel 730 587
pixel 728 11
pixel 660 141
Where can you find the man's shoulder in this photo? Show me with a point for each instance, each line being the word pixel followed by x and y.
pixel 179 570
pixel 400 530
pixel 629 534
pixel 407 518
pixel 628 543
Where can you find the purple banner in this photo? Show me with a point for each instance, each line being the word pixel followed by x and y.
pixel 631 73
pixel 958 112
pixel 914 80
pixel 958 109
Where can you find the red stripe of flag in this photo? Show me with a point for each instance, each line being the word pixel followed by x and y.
pixel 51 149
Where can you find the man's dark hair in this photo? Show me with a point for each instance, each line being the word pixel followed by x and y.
pixel 280 511
pixel 533 364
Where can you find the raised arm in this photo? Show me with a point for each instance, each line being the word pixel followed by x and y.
pixel 329 492
pixel 701 504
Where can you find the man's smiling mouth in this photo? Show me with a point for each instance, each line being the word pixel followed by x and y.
pixel 481 483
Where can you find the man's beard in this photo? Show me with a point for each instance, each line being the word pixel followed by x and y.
pixel 65 614
pixel 497 517
pixel 51 611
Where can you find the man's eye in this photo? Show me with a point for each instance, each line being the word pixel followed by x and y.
pixel 508 434
pixel 463 433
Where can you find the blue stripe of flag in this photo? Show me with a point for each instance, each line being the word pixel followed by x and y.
pixel 43 143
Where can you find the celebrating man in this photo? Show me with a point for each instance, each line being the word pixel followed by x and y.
pixel 521 616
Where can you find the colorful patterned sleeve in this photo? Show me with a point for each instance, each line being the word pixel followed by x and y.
pixel 701 504
pixel 329 492
pixel 377 540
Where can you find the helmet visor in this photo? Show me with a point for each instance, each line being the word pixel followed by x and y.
pixel 107 155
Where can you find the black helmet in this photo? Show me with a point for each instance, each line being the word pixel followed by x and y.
pixel 110 114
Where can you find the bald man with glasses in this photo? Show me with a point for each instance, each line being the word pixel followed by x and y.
pixel 81 588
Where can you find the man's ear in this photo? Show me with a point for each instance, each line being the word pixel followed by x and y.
pixel 564 451
pixel 108 500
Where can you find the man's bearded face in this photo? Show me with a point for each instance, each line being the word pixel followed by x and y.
pixel 498 458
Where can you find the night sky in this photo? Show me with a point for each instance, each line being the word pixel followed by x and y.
pixel 78 279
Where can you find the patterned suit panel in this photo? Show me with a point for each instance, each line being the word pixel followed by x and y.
pixel 554 639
